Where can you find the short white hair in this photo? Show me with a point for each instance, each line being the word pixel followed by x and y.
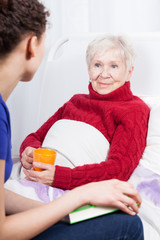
pixel 106 42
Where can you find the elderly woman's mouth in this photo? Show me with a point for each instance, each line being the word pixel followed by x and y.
pixel 102 84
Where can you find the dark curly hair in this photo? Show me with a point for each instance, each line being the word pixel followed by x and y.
pixel 18 18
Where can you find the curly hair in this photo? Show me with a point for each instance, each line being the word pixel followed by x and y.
pixel 18 18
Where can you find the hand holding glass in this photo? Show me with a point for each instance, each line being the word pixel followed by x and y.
pixel 44 155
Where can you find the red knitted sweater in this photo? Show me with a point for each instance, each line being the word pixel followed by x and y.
pixel 121 117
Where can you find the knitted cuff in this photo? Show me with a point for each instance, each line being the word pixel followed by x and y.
pixel 62 177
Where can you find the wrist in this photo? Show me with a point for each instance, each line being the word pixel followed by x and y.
pixel 83 194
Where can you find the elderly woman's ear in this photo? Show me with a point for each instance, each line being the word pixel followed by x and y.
pixel 130 74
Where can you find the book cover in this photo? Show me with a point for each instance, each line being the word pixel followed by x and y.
pixel 87 212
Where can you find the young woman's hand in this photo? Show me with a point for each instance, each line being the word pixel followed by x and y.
pixel 115 193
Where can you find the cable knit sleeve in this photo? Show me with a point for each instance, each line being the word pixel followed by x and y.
pixel 127 146
pixel 36 139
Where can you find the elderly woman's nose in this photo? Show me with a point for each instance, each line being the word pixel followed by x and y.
pixel 105 73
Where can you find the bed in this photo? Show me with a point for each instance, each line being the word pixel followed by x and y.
pixel 65 73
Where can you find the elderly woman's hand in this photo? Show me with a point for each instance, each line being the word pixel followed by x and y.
pixel 27 158
pixel 46 176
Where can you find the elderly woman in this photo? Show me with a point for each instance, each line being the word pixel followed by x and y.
pixel 100 135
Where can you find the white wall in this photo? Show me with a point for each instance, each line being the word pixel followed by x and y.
pixel 76 16
pixel 124 15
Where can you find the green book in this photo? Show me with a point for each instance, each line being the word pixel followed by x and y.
pixel 87 212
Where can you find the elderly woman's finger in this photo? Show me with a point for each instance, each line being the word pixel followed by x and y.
pixel 43 166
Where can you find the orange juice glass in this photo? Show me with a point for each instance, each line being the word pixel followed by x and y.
pixel 43 155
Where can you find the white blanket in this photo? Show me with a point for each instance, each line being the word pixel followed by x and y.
pixel 148 185
pixel 34 190
pixel 76 143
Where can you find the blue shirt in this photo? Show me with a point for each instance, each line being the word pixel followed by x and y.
pixel 5 138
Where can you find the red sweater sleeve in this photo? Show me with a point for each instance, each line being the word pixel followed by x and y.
pixel 36 139
pixel 126 149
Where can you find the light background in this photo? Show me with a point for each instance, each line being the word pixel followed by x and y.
pixel 77 16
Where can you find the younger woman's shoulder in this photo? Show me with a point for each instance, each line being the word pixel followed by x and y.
pixel 4 113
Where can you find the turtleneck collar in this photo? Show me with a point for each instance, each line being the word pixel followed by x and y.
pixel 121 94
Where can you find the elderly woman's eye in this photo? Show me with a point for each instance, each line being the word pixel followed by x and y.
pixel 97 65
pixel 114 66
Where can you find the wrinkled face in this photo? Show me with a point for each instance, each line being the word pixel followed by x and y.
pixel 107 71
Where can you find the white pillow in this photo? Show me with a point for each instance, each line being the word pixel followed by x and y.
pixel 151 155
pixel 151 101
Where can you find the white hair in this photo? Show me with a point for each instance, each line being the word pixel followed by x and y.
pixel 104 43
